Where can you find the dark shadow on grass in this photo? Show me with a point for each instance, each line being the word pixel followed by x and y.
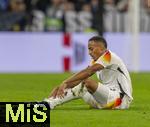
pixel 72 108
pixel 86 107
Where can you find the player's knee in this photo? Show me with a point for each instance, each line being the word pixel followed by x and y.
pixel 87 83
pixel 91 85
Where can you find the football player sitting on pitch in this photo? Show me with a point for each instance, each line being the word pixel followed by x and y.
pixel 114 91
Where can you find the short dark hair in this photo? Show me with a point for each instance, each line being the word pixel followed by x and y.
pixel 98 39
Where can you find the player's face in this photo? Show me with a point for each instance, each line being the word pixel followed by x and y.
pixel 95 50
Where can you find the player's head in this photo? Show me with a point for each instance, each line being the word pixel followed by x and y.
pixel 96 46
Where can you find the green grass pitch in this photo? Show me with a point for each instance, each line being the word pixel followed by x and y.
pixel 32 87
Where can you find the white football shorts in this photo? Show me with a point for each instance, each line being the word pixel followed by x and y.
pixel 105 96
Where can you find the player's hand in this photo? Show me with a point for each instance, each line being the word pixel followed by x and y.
pixel 61 90
pixel 54 92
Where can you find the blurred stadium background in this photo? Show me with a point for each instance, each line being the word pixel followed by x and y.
pixel 43 41
pixel 51 35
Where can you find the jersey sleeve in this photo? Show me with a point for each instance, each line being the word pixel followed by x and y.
pixel 105 59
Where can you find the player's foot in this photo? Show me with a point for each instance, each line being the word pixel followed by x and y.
pixel 39 104
pixel 49 102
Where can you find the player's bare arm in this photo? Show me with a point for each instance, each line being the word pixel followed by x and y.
pixel 78 77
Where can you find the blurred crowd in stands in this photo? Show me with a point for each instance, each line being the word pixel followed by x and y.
pixel 70 15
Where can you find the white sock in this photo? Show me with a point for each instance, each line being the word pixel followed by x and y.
pixel 89 99
pixel 57 101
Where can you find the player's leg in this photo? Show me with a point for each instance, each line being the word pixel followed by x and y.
pixel 103 95
pixel 83 90
pixel 95 94
pixel 89 99
pixel 99 91
pixel 71 94
pixel 91 85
